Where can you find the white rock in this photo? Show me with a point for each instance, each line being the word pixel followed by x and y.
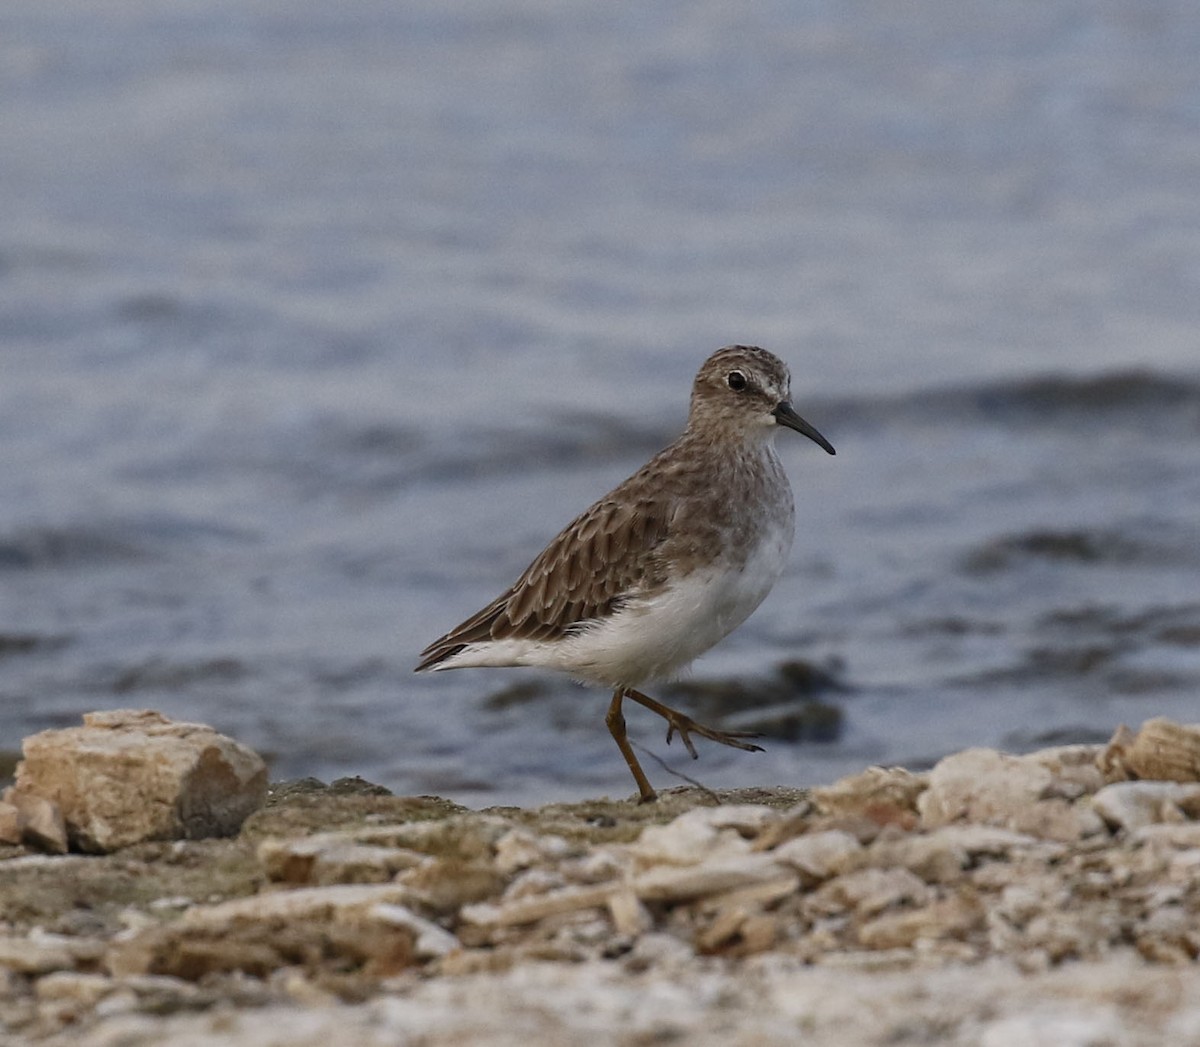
pixel 175 901
pixel 305 903
pixel 695 836
pixel 41 820
pixel 519 849
pixel 869 891
pixel 537 907
pixel 660 993
pixel 629 916
pixel 1168 835
pixel 1014 792
pixel 940 856
pixel 329 858
pixel 856 962
pixel 40 952
pixel 753 897
pixel 818 855
pixel 1073 767
pixel 430 940
pixel 1022 901
pixel 1162 750
pixel 747 818
pixel 85 989
pixel 1184 867
pixel 533 882
pixel 668 884
pixel 1049 1026
pixel 604 863
pixel 902 928
pixel 1133 805
pixel 128 775
pixel 935 857
pixel 660 952
pixel 977 840
pixel 876 788
pixel 12 823
pixel 462 831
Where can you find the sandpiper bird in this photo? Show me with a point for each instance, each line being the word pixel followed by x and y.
pixel 664 565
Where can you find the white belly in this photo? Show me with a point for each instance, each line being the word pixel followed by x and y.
pixel 657 637
pixel 654 637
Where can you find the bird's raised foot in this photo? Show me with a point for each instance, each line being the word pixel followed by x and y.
pixel 686 726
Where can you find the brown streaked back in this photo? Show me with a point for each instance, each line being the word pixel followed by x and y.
pixel 601 558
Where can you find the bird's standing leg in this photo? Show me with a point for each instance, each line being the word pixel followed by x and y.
pixel 616 726
pixel 685 725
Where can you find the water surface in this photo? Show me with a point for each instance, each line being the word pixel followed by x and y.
pixel 317 323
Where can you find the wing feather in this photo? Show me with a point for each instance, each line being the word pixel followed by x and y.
pixel 594 565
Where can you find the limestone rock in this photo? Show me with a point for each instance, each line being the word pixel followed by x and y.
pixel 629 916
pixel 1075 768
pixel 538 907
pixel 1169 835
pixel 886 795
pixel 941 856
pixel 666 995
pixel 819 855
pixel 430 940
pixel 949 918
pixel 12 823
pixel 519 849
pixel 1132 805
pixel 607 927
pixel 333 857
pixel 669 884
pixel 871 891
pixel 1162 751
pixel 305 904
pixel 40 952
pixel 697 835
pixel 1012 792
pixel 354 923
pixel 41 821
pixel 85 989
pixel 128 776
pixel 1111 761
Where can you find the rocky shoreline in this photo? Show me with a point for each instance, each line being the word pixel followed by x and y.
pixel 1049 898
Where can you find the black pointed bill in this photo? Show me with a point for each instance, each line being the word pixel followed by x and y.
pixel 785 415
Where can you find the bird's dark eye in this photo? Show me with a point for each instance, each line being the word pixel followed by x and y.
pixel 736 380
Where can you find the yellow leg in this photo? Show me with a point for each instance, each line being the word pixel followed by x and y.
pixel 616 726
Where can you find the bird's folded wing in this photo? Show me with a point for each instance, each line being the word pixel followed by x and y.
pixel 601 559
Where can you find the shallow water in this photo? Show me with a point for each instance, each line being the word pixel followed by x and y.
pixel 315 324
